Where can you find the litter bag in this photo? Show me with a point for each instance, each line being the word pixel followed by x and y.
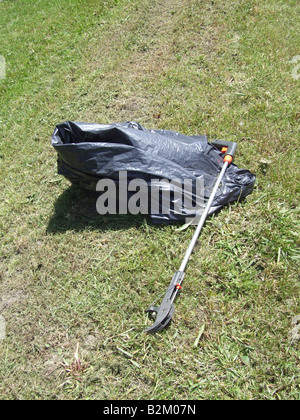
pixel 88 153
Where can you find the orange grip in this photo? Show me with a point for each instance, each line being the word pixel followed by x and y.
pixel 228 158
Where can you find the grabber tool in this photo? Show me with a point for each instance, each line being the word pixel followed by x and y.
pixel 163 313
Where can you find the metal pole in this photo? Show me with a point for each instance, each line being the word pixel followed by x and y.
pixel 203 218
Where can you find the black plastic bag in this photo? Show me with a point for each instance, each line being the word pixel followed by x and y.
pixel 88 153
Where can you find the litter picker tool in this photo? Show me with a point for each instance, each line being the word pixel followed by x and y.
pixel 165 311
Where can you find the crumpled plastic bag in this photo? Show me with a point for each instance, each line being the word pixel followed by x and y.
pixel 88 153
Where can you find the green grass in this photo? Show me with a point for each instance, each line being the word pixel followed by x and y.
pixel 74 285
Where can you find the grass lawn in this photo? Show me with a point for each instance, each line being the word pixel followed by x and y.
pixel 74 285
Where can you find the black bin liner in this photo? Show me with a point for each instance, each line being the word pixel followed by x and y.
pixel 88 153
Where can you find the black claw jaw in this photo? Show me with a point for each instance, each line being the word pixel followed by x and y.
pixel 165 311
pixel 163 319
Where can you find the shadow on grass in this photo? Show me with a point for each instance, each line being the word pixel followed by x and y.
pixel 76 210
